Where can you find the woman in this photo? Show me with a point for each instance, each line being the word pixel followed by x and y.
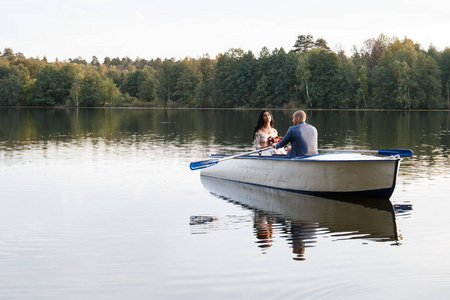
pixel 263 132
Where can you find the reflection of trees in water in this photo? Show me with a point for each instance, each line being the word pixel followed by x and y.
pixel 229 131
pixel 234 127
pixel 297 235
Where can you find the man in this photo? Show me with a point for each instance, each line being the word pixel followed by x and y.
pixel 302 136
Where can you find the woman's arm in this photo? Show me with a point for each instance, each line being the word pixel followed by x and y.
pixel 259 142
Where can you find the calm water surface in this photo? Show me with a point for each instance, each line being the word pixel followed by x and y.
pixel 101 204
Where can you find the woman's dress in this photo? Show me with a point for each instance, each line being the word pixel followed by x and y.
pixel 261 137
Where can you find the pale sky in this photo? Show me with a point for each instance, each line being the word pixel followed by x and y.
pixel 177 29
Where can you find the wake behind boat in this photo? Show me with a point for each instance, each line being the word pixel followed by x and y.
pixel 327 174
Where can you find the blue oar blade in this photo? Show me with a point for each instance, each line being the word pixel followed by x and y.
pixel 197 165
pixel 401 152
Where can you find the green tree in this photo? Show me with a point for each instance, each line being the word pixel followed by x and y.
pixel 277 81
pixel 75 90
pixel 363 87
pixel 225 78
pixel 112 73
pixel 261 94
pixel 324 80
pixel 112 93
pixel 92 88
pixel 427 83
pixel 33 65
pixel 140 84
pixel 107 61
pixel 282 71
pixel 322 44
pixel 148 85
pixel 54 84
pixel 383 83
pixel 346 84
pixel 166 79
pixel 7 52
pixel 303 74
pixel 10 85
pixel 186 83
pixel 95 62
pixel 304 43
pixel 45 86
pixel 28 91
pixel 406 78
pixel 205 88
pixel 245 79
pixel 444 65
pixel 79 60
pixel 404 81
pixel 433 52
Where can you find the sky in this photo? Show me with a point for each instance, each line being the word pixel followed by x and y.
pixel 148 29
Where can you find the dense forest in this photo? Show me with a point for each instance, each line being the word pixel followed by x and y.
pixel 386 73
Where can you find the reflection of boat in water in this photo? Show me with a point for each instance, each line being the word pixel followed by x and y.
pixel 303 217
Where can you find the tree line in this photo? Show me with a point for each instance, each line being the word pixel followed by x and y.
pixel 386 73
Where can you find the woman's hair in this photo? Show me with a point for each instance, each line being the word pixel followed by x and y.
pixel 260 122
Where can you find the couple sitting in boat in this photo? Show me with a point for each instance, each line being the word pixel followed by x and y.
pixel 301 136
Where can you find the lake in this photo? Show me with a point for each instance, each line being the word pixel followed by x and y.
pixel 101 204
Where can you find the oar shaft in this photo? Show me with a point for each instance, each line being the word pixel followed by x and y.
pixel 344 150
pixel 387 152
pixel 247 153
pixel 196 165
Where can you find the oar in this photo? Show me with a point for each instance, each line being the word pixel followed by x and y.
pixel 388 152
pixel 202 164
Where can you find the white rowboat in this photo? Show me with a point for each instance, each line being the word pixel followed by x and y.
pixel 327 174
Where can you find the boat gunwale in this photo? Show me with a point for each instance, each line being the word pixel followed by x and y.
pixel 310 158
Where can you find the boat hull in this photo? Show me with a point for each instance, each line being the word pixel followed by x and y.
pixel 324 174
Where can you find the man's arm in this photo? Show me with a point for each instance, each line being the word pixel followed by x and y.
pixel 285 140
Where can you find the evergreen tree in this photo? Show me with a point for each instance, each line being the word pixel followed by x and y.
pixel 303 43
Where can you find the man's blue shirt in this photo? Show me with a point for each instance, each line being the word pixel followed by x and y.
pixel 303 139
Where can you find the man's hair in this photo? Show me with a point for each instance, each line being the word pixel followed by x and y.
pixel 300 114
